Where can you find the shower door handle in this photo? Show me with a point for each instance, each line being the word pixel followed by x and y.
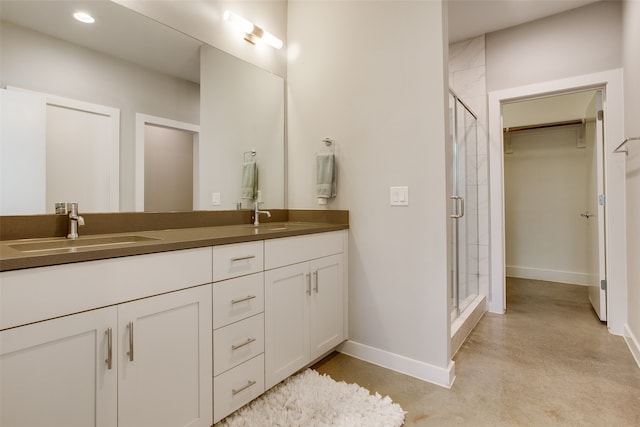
pixel 458 213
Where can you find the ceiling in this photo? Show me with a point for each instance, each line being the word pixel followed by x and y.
pixel 117 31
pixel 471 18
pixel 143 41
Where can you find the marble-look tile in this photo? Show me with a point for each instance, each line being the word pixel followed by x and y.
pixel 467 54
pixel 483 227
pixel 470 82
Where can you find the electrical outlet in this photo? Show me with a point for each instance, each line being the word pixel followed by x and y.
pixel 215 199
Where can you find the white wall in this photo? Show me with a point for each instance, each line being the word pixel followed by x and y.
pixel 203 19
pixel 33 61
pixel 631 61
pixel 577 42
pixel 372 76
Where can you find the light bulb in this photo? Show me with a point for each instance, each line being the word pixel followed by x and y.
pixel 238 21
pixel 271 40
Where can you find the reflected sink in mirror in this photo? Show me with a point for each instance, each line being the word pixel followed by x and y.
pixel 69 245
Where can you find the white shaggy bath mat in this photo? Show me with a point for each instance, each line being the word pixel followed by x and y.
pixel 309 399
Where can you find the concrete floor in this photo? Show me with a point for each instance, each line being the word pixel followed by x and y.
pixel 548 362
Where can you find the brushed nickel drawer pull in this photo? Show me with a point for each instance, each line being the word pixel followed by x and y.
pixel 308 283
pixel 243 258
pixel 247 298
pixel 247 342
pixel 130 352
pixel 243 388
pixel 315 278
pixel 109 361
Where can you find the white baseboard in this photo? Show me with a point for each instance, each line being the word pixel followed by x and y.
pixel 570 277
pixel 402 364
pixel 633 343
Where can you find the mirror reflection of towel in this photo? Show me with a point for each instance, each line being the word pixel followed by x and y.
pixel 249 188
pixel 325 175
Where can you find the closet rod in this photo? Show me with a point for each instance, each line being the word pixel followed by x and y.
pixel 543 125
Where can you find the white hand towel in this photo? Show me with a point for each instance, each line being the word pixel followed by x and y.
pixel 325 175
pixel 249 188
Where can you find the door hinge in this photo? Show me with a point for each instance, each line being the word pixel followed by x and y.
pixel 603 284
pixel 600 115
pixel 602 199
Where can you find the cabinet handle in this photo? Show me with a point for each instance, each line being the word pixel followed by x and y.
pixel 243 388
pixel 247 342
pixel 247 298
pixel 109 361
pixel 315 279
pixel 130 352
pixel 308 283
pixel 242 258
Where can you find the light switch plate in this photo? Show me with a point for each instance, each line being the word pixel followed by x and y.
pixel 215 199
pixel 399 196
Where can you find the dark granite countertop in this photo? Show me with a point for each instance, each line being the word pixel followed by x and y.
pixel 12 258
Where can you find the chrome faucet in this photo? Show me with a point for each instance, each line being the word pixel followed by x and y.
pixel 74 221
pixel 257 212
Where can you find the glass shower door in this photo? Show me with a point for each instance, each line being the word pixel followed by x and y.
pixel 464 219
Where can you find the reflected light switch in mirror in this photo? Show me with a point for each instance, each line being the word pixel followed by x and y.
pixel 399 196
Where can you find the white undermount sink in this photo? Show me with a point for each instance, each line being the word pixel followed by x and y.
pixel 71 245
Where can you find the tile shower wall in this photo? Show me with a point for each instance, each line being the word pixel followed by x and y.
pixel 467 78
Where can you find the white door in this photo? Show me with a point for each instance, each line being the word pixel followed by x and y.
pixel 165 362
pixel 596 218
pixel 78 153
pixel 286 321
pixel 56 373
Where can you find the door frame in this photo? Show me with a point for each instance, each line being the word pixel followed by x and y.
pixel 613 106
pixel 145 119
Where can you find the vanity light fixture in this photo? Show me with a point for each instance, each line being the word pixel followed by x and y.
pixel 84 17
pixel 252 33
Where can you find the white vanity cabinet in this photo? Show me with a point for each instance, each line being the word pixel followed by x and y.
pixel 164 364
pixel 305 300
pixel 55 372
pixel 146 361
pixel 238 326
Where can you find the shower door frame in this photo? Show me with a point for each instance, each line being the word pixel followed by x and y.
pixel 459 190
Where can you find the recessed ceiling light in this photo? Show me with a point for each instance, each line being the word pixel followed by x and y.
pixel 84 17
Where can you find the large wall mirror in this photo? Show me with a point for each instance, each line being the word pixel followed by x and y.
pixel 127 114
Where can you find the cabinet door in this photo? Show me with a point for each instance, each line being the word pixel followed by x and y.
pixel 326 305
pixel 165 372
pixel 55 373
pixel 286 321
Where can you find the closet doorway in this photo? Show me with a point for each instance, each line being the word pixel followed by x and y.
pixel 554 201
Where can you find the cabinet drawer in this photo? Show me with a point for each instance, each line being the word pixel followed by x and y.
pixel 292 250
pixel 237 260
pixel 237 299
pixel 237 343
pixel 237 387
